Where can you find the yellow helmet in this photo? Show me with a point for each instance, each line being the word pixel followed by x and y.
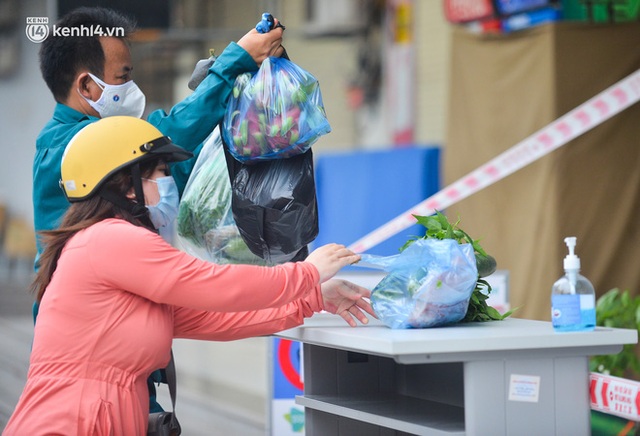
pixel 107 146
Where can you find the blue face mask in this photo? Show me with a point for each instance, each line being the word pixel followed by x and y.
pixel 163 215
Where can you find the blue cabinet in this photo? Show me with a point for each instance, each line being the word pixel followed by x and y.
pixel 359 191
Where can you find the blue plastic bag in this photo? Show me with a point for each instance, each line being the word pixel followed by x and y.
pixel 274 114
pixel 429 284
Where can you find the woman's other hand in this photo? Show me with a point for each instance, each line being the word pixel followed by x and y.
pixel 347 300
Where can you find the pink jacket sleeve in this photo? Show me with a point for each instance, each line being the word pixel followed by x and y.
pixel 220 326
pixel 135 260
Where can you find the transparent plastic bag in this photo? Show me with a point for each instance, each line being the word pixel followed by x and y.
pixel 429 284
pixel 206 227
pixel 276 113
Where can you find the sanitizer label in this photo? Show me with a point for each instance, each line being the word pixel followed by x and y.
pixel 565 309
pixel 587 302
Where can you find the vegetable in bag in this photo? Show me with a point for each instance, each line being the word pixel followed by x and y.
pixel 429 284
pixel 276 113
pixel 206 228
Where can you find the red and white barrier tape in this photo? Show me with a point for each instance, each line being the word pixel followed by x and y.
pixel 569 126
pixel 615 396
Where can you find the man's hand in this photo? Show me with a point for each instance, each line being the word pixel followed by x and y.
pixel 262 45
pixel 347 300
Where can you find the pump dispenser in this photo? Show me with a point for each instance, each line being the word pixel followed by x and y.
pixel 573 299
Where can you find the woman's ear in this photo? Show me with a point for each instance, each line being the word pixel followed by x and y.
pixel 131 194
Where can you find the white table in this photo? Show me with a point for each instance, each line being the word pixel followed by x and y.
pixel 512 377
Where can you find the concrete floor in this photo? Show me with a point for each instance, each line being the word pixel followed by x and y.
pixel 222 387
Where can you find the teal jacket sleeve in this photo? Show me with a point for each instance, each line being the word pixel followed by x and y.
pixel 190 122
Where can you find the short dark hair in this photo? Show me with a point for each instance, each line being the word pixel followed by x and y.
pixel 61 57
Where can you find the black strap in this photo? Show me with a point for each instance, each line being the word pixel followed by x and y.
pixel 136 179
pixel 136 209
pixel 170 372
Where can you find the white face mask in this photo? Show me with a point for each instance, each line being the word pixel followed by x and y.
pixel 163 214
pixel 124 99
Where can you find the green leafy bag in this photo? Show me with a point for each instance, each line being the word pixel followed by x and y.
pixel 395 300
pixel 429 284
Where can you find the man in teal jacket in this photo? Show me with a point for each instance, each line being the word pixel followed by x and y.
pixel 90 78
pixel 68 64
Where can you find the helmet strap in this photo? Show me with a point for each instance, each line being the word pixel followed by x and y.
pixel 137 209
pixel 136 180
pixel 142 211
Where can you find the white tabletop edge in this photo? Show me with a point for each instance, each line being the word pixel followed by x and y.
pixel 510 334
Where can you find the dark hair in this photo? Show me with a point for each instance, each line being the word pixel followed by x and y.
pixel 81 215
pixel 61 57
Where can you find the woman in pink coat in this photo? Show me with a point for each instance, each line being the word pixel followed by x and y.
pixel 113 294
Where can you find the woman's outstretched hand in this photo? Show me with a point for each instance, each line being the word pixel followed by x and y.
pixel 347 300
pixel 331 258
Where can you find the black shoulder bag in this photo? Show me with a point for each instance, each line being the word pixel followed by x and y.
pixel 166 423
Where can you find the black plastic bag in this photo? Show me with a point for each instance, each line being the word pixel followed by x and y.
pixel 274 205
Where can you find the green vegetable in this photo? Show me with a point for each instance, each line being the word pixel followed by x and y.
pixel 199 214
pixel 236 251
pixel 262 121
pixel 439 227
pixel 240 83
pixel 617 309
pixel 299 96
pixel 486 264
pixel 287 124
pixel 294 137
pixel 244 131
pixel 204 204
pixel 259 139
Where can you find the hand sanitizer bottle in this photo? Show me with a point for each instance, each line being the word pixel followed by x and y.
pixel 573 300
